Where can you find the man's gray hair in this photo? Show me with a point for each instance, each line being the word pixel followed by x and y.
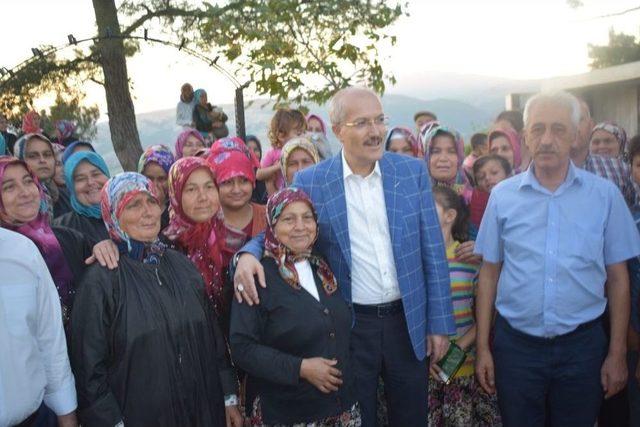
pixel 563 99
pixel 337 104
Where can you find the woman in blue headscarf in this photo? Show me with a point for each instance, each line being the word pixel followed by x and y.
pixel 85 174
pixel 208 119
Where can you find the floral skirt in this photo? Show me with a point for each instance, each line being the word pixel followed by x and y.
pixel 349 418
pixel 462 402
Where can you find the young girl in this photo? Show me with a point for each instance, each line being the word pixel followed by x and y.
pixel 460 402
pixel 488 171
pixel 285 124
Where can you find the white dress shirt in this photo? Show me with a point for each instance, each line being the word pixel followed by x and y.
pixel 34 365
pixel 374 279
pixel 305 275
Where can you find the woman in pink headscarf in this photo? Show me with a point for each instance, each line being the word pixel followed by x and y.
pixel 188 143
pixel 317 133
pixel 31 122
pixel 505 143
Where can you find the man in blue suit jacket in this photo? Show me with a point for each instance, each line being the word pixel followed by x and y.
pixel 379 231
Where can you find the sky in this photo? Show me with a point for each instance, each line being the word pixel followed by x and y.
pixel 515 39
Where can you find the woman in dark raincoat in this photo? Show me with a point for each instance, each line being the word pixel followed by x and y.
pixel 146 348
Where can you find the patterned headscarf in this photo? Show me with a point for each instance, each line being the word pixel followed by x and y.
pixel 285 258
pixel 65 130
pixel 182 140
pixel 21 144
pixel 39 231
pixel 617 131
pixel 460 183
pixel 69 150
pixel 156 153
pixel 402 132
pixel 117 193
pixel 200 241
pixel 514 140
pixel 70 166
pixel 293 144
pixel 29 124
pixel 318 118
pixel 230 157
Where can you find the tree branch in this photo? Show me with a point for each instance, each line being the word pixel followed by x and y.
pixel 610 15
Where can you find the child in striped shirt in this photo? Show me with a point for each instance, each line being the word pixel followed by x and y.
pixel 461 402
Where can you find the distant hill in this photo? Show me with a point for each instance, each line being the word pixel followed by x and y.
pixel 158 127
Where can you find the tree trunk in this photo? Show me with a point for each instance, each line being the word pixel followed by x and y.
pixel 122 117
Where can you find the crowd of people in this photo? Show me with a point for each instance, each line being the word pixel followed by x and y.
pixel 398 282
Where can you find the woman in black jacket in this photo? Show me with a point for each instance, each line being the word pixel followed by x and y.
pixel 146 348
pixel 295 344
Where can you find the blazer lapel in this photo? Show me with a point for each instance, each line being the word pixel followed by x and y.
pixel 337 206
pixel 391 190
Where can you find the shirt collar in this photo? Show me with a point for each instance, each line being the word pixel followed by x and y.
pixel 529 179
pixel 347 172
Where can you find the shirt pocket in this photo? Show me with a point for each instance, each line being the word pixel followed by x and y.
pixel 19 304
pixel 586 249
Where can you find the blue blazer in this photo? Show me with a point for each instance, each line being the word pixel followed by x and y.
pixel 418 248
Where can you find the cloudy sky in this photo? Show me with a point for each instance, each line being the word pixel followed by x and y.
pixel 517 39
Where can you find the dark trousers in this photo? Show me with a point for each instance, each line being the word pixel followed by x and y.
pixel 557 379
pixel 381 347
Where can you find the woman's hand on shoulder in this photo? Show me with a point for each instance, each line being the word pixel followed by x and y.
pixel 244 285
pixel 106 253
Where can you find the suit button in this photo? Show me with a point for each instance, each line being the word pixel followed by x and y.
pixel 326 311
pixel 332 335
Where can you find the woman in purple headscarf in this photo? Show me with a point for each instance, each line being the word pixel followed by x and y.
pixel 24 209
pixel 155 163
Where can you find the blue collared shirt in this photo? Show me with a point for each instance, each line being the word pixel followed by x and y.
pixel 554 247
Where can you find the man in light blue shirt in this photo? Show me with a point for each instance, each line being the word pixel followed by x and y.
pixel 555 240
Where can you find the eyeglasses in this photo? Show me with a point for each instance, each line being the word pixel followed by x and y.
pixel 362 124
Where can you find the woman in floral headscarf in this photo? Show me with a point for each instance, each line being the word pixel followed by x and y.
pixel 401 140
pixel 23 209
pixel 297 154
pixel 65 132
pixel 444 155
pixel 146 347
pixel 302 377
pixel 608 140
pixel 155 164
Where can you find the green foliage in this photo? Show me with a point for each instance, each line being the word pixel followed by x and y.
pixel 85 117
pixel 622 49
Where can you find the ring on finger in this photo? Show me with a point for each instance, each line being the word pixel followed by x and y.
pixel 240 288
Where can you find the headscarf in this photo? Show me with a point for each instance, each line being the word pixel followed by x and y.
pixel 159 154
pixel 40 233
pixel 318 118
pixel 460 183
pixel 617 131
pixel 116 195
pixel 403 132
pixel 182 140
pixel 3 145
pixel 301 143
pixel 21 144
pixel 230 157
pixel 29 122
pixel 69 150
pixel 70 166
pixel 284 257
pixel 514 140
pixel 199 240
pixel 198 94
pixel 65 130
